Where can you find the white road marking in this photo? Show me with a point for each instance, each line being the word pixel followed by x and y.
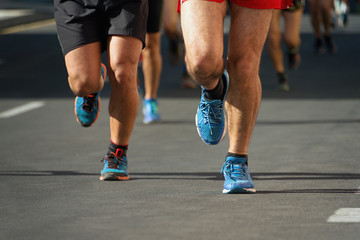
pixel 12 13
pixel 21 109
pixel 345 215
pixel 27 26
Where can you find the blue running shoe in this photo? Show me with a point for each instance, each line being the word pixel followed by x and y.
pixel 210 118
pixel 87 108
pixel 237 176
pixel 150 111
pixel 115 167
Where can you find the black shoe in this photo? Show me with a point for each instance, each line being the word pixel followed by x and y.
pixel 330 45
pixel 319 47
pixel 283 82
pixel 294 58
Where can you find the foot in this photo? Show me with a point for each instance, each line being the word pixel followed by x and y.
pixel 210 118
pixel 294 59
pixel 150 111
pixel 319 47
pixel 330 45
pixel 115 167
pixel 87 108
pixel 237 176
pixel 283 82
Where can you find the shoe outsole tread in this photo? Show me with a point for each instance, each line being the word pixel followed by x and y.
pixel 239 191
pixel 109 176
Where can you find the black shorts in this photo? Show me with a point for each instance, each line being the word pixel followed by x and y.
pixel 297 4
pixel 155 14
pixel 80 22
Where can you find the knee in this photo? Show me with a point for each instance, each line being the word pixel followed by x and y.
pixel 152 49
pixel 292 41
pixel 83 85
pixel 123 77
pixel 244 68
pixel 274 38
pixel 202 66
pixel 170 28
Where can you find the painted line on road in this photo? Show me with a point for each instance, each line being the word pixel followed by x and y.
pixel 27 26
pixel 12 13
pixel 345 215
pixel 22 109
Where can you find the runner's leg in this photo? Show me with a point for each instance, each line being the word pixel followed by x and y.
pixel 83 66
pixel 248 31
pixel 292 28
pixel 274 43
pixel 123 57
pixel 202 25
pixel 152 64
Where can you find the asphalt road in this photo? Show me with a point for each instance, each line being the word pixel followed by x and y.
pixel 304 155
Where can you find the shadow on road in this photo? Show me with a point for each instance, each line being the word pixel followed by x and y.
pixel 258 176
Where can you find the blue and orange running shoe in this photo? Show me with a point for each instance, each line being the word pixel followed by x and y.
pixel 115 167
pixel 87 108
pixel 210 118
pixel 150 111
pixel 237 176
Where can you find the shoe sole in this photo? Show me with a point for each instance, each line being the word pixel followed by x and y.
pixel 113 177
pixel 84 124
pixel 239 191
pixel 152 122
pixel 105 71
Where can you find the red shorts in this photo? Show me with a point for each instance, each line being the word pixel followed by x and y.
pixel 256 4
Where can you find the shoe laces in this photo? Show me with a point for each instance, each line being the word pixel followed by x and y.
pixel 212 112
pixel 89 103
pixel 114 161
pixel 234 169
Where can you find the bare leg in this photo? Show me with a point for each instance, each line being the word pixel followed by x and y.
pixel 248 27
pixel 171 18
pixel 202 24
pixel 292 28
pixel 326 6
pixel 274 43
pixel 123 57
pixel 152 65
pixel 315 14
pixel 83 66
